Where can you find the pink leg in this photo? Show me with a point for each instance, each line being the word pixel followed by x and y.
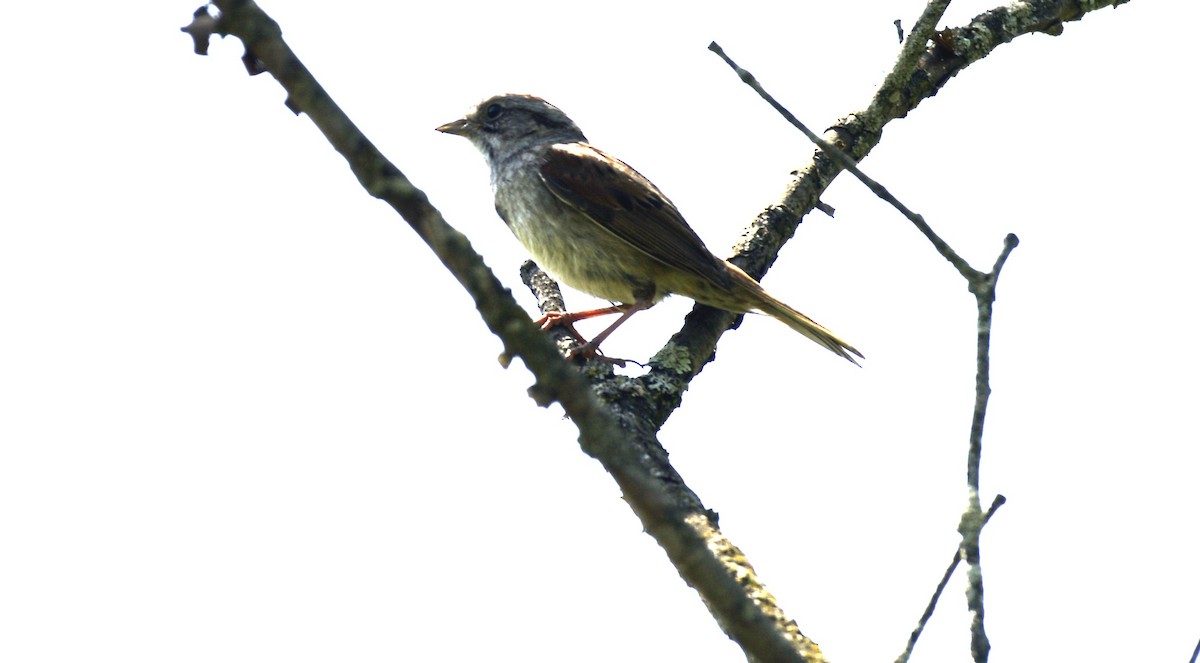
pixel 555 319
pixel 589 349
pixel 551 320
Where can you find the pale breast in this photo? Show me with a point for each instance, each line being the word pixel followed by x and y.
pixel 570 246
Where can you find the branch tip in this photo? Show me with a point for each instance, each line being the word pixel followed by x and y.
pixel 201 29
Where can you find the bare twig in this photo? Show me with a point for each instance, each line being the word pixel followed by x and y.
pixel 984 289
pixel 911 81
pixel 847 163
pixel 550 300
pixel 983 286
pixel 937 593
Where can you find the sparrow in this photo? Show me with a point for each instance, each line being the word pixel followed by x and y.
pixel 599 226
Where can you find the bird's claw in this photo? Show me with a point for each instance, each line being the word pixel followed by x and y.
pixel 588 351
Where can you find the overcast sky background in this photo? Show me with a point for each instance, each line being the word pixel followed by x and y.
pixel 246 416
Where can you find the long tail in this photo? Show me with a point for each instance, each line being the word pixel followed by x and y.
pixel 791 317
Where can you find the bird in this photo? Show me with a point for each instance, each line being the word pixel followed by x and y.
pixel 597 225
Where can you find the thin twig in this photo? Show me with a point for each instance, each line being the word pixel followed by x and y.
pixel 984 289
pixel 937 593
pixel 848 164
pixel 983 286
pixel 550 300
pixel 657 394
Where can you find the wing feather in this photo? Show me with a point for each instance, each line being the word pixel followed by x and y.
pixel 619 199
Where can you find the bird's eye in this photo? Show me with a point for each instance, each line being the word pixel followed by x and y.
pixel 493 111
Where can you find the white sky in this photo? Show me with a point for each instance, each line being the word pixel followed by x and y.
pixel 246 416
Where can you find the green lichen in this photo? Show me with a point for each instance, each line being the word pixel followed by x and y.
pixel 674 358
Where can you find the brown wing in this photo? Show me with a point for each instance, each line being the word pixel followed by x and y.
pixel 626 204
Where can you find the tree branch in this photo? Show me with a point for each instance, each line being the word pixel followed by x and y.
pixel 844 162
pixel 911 81
pixel 983 286
pixel 941 586
pixel 623 443
pixel 619 416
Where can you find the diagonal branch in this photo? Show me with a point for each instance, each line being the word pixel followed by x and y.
pixel 844 162
pixel 911 81
pixel 623 443
pixel 983 286
pixel 618 416
pixel 913 48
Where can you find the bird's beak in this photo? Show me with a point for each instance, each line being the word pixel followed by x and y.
pixel 462 127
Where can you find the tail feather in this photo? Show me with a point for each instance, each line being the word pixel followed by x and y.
pixel 789 316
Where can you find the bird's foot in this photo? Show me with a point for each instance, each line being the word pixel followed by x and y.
pixel 589 351
pixel 560 319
